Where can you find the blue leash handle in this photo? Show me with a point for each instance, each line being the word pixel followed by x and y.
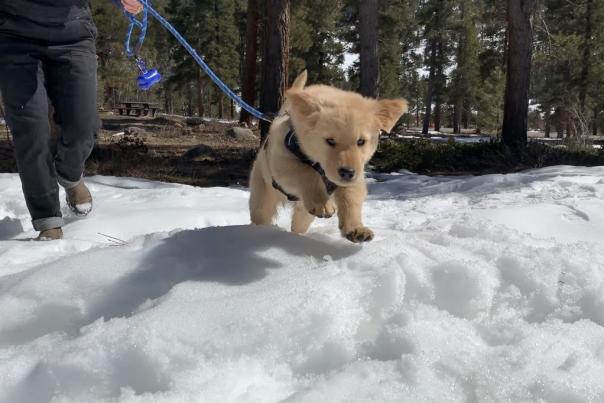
pixel 148 9
pixel 147 78
pixel 142 25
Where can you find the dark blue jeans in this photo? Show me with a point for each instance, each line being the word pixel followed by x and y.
pixel 33 71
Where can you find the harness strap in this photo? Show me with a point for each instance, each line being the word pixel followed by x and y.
pixel 289 196
pixel 291 143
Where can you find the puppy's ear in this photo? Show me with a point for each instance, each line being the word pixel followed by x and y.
pixel 303 107
pixel 300 81
pixel 388 112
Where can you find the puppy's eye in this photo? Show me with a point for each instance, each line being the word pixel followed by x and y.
pixel 361 142
pixel 331 142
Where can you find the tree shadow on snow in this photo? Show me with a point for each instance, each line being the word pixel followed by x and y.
pixel 231 256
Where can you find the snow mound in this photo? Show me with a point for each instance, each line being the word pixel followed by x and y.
pixel 475 289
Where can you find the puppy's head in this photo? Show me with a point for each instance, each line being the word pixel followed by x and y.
pixel 340 129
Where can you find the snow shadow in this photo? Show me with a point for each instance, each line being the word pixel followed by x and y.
pixel 9 228
pixel 232 256
pixel 409 186
pixel 228 255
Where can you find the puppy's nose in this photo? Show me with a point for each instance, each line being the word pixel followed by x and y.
pixel 346 173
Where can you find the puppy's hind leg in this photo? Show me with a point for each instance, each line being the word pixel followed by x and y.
pixel 264 199
pixel 301 219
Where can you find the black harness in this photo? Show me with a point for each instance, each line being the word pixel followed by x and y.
pixel 291 143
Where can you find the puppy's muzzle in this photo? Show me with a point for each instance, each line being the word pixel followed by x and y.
pixel 346 174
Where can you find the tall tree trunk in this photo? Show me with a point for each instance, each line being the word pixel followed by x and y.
pixel 548 122
pixel 437 110
pixel 251 48
pixel 506 44
pixel 220 106
pixel 109 98
pixel 563 123
pixel 461 61
pixel 200 90
pixel 167 100
pixel 453 118
pixel 458 115
pixel 585 58
pixel 368 55
pixel 438 87
pixel 515 111
pixel 430 90
pixel 275 59
pixel 189 100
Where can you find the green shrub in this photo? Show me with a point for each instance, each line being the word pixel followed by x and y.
pixel 423 156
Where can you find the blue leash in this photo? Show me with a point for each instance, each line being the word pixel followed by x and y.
pixel 148 78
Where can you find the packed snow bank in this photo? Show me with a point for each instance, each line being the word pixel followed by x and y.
pixel 476 289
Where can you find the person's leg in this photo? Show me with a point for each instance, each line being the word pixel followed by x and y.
pixel 71 84
pixel 26 103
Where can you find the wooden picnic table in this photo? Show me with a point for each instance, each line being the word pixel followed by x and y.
pixel 137 108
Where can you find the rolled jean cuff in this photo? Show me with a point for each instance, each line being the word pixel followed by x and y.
pixel 42 224
pixel 66 183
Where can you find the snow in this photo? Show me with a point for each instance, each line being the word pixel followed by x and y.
pixel 349 60
pixel 438 137
pixel 485 288
pixel 223 121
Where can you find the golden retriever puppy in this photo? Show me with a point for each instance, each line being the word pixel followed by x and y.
pixel 315 156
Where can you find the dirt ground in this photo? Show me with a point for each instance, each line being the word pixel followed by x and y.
pixel 166 148
pixel 172 148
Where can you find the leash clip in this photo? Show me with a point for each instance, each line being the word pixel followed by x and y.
pixel 147 78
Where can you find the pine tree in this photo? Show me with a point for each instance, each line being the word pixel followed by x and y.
pixel 595 89
pixel 435 16
pixel 368 41
pixel 275 58
pixel 390 49
pixel 567 50
pixel 398 40
pixel 315 44
pixel 210 27
pixel 412 87
pixel 185 75
pixel 489 91
pixel 462 46
pixel 466 74
pixel 519 52
pixel 116 73
pixel 251 48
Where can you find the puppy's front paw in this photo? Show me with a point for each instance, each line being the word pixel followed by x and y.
pixel 358 235
pixel 322 210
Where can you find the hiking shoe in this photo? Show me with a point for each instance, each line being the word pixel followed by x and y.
pixel 79 199
pixel 52 234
